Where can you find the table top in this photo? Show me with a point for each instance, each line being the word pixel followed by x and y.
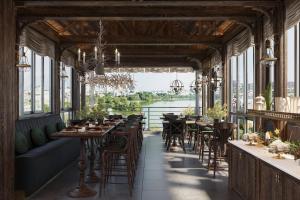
pixel 288 165
pixel 85 131
pixel 186 122
pixel 201 123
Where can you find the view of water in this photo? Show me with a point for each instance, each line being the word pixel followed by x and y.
pixel 154 112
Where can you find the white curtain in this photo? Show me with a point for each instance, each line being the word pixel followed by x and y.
pixel 37 42
pixel 292 12
pixel 240 43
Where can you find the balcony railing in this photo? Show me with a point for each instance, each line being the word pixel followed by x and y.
pixel 153 115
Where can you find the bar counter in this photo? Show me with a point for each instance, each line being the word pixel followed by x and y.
pixel 254 173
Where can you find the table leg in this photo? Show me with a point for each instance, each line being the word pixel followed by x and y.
pixel 92 176
pixel 82 190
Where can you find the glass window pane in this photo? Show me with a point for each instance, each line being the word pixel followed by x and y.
pixel 241 83
pixel 47 84
pixel 68 88
pixel 38 83
pixel 233 67
pixel 250 77
pixel 291 61
pixel 27 83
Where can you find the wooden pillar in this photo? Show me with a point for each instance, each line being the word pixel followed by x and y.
pixel 279 52
pixel 8 98
pixel 259 70
pixel 226 79
pixel 56 80
pixel 197 91
pixel 75 92
pixel 82 97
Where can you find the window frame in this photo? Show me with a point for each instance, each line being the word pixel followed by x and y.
pixel 33 110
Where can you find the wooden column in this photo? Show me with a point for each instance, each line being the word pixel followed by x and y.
pixel 226 79
pixel 8 98
pixel 75 93
pixel 56 80
pixel 259 70
pixel 280 82
pixel 82 97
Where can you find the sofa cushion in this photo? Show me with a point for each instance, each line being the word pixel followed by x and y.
pixel 60 126
pixel 38 137
pixel 50 129
pixel 21 143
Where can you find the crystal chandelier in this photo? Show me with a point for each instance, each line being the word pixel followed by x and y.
pixel 115 81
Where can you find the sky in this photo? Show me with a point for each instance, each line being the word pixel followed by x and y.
pixel 155 82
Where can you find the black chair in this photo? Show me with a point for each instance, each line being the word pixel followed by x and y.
pixel 177 131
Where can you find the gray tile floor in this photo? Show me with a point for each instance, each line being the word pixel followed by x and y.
pixel 161 176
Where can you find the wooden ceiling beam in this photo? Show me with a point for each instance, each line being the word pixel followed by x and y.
pixel 161 42
pixel 95 17
pixel 129 3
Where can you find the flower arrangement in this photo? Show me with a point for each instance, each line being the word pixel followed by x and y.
pixel 218 111
pixel 188 111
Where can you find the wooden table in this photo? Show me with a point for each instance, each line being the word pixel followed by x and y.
pixel 82 190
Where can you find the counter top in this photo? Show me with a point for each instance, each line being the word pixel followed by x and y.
pixel 288 165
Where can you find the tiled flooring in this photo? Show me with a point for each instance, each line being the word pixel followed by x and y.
pixel 161 176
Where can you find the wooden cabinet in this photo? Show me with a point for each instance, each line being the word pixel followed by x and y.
pixel 291 188
pixel 254 179
pixel 270 183
pixel 243 165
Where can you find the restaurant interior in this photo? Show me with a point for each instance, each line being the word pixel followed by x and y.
pixel 241 139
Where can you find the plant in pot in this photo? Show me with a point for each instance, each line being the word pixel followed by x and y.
pixel 295 149
pixel 268 96
pixel 217 112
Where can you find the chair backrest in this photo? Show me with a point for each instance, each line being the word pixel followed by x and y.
pixel 224 130
pixel 177 126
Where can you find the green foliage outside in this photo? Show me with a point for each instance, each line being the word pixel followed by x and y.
pixel 132 103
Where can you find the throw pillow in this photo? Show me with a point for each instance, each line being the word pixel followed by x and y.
pixel 21 143
pixel 50 129
pixel 38 137
pixel 60 126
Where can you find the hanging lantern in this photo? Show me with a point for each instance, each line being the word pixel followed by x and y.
pixel 216 81
pixel 268 56
pixel 195 86
pixel 23 63
pixel 64 74
pixel 177 86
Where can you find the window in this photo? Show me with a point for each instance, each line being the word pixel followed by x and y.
pixel 66 87
pixel 242 81
pixel 250 77
pixel 66 92
pixel 233 67
pixel 291 62
pixel 35 85
pixel 242 89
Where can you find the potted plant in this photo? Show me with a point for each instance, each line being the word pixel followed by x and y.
pixel 268 96
pixel 217 112
pixel 295 149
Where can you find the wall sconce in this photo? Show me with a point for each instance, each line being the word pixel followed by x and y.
pixel 268 55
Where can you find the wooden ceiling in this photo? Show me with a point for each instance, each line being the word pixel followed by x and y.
pixel 144 31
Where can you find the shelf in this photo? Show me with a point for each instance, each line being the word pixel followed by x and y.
pixel 291 117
